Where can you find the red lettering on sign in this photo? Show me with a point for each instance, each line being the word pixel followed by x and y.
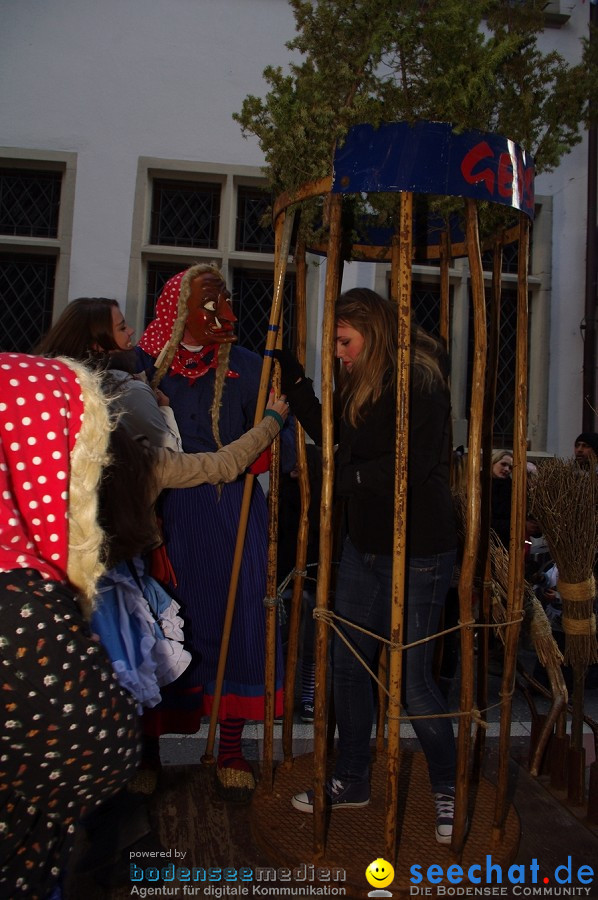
pixel 502 181
pixel 470 161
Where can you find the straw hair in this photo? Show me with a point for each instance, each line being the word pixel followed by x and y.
pixel 219 382
pixel 88 457
pixel 563 500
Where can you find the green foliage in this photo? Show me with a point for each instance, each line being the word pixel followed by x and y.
pixel 475 64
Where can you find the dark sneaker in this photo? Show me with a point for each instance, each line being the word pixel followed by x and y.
pixel 445 814
pixel 339 795
pixel 307 712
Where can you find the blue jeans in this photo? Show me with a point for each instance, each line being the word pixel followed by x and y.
pixel 363 595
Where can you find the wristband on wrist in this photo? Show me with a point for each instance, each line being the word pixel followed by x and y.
pixel 275 415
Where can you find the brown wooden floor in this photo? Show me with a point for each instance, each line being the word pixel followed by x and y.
pixel 189 817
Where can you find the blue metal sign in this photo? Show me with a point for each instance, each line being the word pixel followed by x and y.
pixel 430 158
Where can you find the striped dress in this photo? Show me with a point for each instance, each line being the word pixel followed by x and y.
pixel 200 529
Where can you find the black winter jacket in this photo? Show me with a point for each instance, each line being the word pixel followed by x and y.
pixel 365 466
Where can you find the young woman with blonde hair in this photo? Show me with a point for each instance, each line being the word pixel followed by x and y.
pixel 366 346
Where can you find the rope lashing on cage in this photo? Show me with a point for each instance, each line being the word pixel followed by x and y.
pixel 329 617
pixel 278 600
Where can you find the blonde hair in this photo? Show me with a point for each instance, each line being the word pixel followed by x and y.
pixel 376 320
pixel 219 382
pixel 500 454
pixel 88 457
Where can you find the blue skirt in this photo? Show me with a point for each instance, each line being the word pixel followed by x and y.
pixel 200 530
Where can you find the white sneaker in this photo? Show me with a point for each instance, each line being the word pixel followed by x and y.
pixel 445 815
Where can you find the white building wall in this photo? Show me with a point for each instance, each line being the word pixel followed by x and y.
pixel 568 188
pixel 114 80
pixel 117 79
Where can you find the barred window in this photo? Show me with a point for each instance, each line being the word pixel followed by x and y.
pixel 27 291
pixel 251 233
pixel 158 273
pixel 510 258
pixel 504 410
pixel 252 293
pixel 252 301
pixel 425 306
pixel 185 213
pixel 29 203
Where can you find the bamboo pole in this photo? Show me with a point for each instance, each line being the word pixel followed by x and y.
pixel 382 700
pixel 271 611
pixel 486 487
pixel 466 580
pixel 326 509
pixel 303 529
pixel 445 334
pixel 285 223
pixel 445 262
pixel 401 293
pixel 517 536
pixel 576 757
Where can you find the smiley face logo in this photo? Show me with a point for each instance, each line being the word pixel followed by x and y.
pixel 380 873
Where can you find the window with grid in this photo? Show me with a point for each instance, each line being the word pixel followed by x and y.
pixel 510 258
pixel 252 234
pixel 504 410
pixel 252 300
pixel 27 293
pixel 425 307
pixel 29 203
pixel 30 200
pixel 185 213
pixel 252 293
pixel 158 273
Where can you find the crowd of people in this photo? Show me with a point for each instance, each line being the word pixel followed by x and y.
pixel 123 470
pixel 91 578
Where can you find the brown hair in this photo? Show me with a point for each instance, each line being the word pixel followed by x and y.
pixel 375 318
pixel 84 326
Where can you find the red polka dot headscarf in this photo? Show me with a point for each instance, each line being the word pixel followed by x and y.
pixel 171 314
pixel 159 330
pixel 41 411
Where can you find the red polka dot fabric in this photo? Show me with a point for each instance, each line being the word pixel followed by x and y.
pixel 41 410
pixel 159 329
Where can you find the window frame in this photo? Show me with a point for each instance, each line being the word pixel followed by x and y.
pixel 59 246
pixel 225 255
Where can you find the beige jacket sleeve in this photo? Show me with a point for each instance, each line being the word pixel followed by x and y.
pixel 181 470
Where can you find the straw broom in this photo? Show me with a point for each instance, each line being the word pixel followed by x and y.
pixel 563 500
pixel 540 631
pixel 543 641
